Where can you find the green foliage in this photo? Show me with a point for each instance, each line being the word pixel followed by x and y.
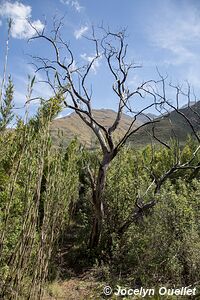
pixel 6 114
pixel 37 184
pixel 164 243
pixel 46 212
pixel 48 110
pixel 163 246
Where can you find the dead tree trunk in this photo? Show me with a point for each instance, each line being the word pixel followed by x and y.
pixel 98 203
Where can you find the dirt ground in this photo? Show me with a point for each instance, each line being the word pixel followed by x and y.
pixel 74 289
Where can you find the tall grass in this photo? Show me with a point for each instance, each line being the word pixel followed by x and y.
pixel 37 183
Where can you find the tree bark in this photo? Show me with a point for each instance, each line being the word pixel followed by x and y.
pixel 97 199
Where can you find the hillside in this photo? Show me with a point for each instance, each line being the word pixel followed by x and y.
pixel 72 126
pixel 173 125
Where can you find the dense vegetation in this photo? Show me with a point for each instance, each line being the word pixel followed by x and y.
pixel 149 227
pixel 46 211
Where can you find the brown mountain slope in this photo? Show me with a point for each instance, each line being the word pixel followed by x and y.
pixel 72 126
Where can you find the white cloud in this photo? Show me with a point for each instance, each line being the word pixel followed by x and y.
pixel 80 32
pixel 193 75
pixel 135 81
pixel 20 13
pixel 73 3
pixel 176 29
pixel 65 112
pixel 95 64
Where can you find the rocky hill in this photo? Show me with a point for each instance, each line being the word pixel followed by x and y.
pixel 66 128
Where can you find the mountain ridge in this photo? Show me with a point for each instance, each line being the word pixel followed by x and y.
pixel 169 126
pixel 173 125
pixel 72 126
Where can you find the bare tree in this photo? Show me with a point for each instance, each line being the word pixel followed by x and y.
pixel 63 75
pixel 191 118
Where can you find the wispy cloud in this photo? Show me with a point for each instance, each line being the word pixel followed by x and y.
pixel 193 75
pixel 80 32
pixel 88 58
pixel 20 14
pixel 73 3
pixel 174 33
pixel 177 29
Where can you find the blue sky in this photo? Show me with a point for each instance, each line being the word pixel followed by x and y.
pixel 163 34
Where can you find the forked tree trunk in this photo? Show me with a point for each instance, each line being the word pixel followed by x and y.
pixel 97 198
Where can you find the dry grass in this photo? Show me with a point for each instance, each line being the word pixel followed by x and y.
pixel 89 289
pixel 74 289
